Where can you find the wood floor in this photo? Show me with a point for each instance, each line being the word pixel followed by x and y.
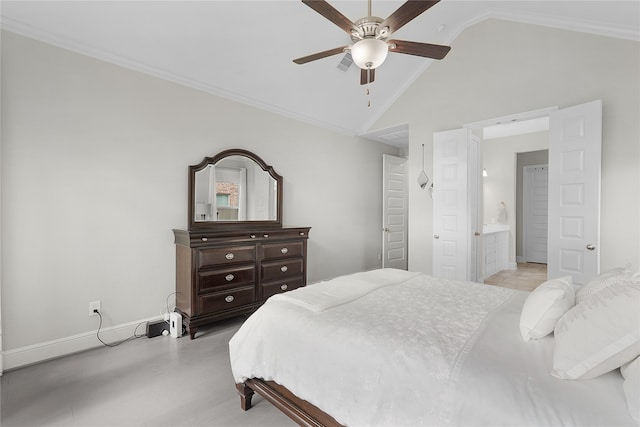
pixel 526 278
pixel 146 382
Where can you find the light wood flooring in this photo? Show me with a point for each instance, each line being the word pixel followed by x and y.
pixel 526 278
pixel 156 382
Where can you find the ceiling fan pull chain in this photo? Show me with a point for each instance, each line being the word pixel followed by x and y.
pixel 368 92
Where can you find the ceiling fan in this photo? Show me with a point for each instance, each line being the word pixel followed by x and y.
pixel 370 36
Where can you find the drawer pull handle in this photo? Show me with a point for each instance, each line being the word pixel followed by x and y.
pixel 302 233
pixel 284 268
pixel 253 236
pixel 204 239
pixel 229 298
pixel 284 250
pixel 284 287
pixel 229 256
pixel 229 277
pixel 265 235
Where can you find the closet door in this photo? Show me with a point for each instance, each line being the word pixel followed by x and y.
pixel 536 213
pixel 394 212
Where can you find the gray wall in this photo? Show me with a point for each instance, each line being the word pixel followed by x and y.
pixel 94 178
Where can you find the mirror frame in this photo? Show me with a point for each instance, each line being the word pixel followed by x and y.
pixel 233 225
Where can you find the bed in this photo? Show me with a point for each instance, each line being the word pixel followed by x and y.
pixel 395 348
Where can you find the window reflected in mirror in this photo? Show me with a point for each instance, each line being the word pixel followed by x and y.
pixel 235 189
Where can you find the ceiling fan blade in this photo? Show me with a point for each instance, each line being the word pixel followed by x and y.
pixel 367 75
pixel 332 14
pixel 320 55
pixel 406 13
pixel 434 51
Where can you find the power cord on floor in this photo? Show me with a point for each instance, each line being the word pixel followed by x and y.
pixel 132 337
pixel 165 315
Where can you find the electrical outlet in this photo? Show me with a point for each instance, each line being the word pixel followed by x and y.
pixel 94 305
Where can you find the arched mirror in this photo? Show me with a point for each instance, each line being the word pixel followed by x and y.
pixel 234 189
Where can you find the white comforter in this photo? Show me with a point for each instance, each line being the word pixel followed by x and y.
pixel 406 349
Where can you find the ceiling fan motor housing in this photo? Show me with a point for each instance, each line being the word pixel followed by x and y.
pixel 369 27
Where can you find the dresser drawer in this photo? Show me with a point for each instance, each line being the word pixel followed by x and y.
pixel 210 280
pixel 282 269
pixel 225 255
pixel 225 300
pixel 280 286
pixel 282 250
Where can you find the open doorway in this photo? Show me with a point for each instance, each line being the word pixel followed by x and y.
pixel 514 202
pixel 514 169
pixel 509 145
pixel 574 138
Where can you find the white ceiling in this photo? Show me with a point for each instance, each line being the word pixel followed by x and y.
pixel 243 50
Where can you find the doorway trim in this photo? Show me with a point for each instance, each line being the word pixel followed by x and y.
pixel 527 115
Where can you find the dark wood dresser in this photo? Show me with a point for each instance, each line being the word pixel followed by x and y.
pixel 224 273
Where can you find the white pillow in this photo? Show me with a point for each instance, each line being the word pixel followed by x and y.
pixel 600 334
pixel 608 278
pixel 544 306
pixel 631 387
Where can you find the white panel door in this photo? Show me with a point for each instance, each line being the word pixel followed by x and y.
pixel 394 213
pixel 575 140
pixel 450 213
pixel 536 212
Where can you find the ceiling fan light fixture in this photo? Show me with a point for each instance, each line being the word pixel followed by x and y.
pixel 369 52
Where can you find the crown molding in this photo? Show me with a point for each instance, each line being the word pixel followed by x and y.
pixel 589 27
pixel 130 64
pixel 116 59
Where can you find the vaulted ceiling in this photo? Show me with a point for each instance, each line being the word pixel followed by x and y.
pixel 243 50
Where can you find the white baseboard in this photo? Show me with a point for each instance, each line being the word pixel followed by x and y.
pixel 30 354
pixel 513 266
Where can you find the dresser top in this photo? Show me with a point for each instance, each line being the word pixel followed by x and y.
pixel 195 238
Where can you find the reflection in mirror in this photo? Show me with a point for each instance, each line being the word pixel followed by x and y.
pixel 235 189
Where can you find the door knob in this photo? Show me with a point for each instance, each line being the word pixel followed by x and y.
pixel 435 236
pixel 591 247
pixel 385 229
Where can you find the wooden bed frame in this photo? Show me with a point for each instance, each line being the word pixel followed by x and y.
pixel 302 412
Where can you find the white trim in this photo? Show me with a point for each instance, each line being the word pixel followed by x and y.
pixel 589 27
pixel 65 346
pixel 527 115
pixel 130 64
pixel 396 136
pixel 113 58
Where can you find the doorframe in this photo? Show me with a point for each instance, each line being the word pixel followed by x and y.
pixel 518 117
